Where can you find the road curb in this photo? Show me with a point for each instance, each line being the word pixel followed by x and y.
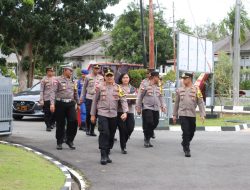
pixel 204 128
pixel 68 172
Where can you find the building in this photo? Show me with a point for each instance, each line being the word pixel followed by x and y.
pixel 90 52
pixel 225 45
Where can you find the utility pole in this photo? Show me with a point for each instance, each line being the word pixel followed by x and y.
pixel 143 36
pixel 174 51
pixel 151 36
pixel 236 64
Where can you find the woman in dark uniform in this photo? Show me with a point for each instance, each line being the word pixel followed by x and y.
pixel 126 127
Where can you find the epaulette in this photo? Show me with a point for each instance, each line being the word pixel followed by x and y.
pixel 120 91
pixel 199 94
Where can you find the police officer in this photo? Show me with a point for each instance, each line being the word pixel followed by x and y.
pixel 45 90
pixel 126 127
pixel 82 107
pixel 63 102
pixel 187 99
pixel 106 102
pixel 89 88
pixel 150 101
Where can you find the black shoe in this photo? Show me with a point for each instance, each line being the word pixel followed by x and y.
pixel 108 159
pixel 81 128
pixel 52 126
pixel 115 139
pixel 187 153
pixel 71 145
pixel 146 143
pixel 87 133
pixel 149 144
pixel 48 129
pixel 103 157
pixel 124 151
pixel 92 134
pixel 59 147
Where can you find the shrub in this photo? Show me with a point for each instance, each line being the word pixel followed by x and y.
pixel 136 76
pixel 245 85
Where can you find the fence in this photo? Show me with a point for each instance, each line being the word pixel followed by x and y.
pixel 164 117
pixel 5 106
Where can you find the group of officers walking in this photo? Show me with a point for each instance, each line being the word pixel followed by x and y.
pixel 113 105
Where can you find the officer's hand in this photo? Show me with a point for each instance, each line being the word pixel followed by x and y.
pixel 52 108
pixel 41 103
pixel 124 116
pixel 202 120
pixel 163 109
pixel 138 111
pixel 174 119
pixel 92 119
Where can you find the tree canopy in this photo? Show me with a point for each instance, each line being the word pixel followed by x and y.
pixel 126 37
pixel 39 30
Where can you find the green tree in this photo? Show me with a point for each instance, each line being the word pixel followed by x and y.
pixel 223 75
pixel 182 26
pixel 126 37
pixel 227 24
pixel 39 30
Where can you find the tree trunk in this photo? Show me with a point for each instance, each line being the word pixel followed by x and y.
pixel 32 66
pixel 22 74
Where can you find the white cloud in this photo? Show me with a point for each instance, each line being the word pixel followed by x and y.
pixel 196 12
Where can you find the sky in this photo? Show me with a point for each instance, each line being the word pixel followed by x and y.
pixel 195 12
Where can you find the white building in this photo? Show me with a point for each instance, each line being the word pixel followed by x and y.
pixel 90 52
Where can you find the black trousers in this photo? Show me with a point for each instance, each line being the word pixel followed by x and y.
pixel 125 128
pixel 188 126
pixel 107 127
pixel 150 120
pixel 90 126
pixel 49 117
pixel 65 112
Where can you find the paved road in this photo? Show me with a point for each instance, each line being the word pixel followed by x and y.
pixel 220 160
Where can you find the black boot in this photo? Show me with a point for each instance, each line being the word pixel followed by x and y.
pixel 186 150
pixel 146 143
pixel 153 135
pixel 103 157
pixel 59 147
pixel 108 159
pixel 149 143
pixel 48 129
pixel 124 151
pixel 71 145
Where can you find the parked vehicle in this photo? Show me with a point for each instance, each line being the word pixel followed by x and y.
pixel 26 103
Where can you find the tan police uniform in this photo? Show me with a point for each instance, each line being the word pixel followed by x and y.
pixel 186 102
pixel 65 98
pixel 150 100
pixel 45 92
pixel 105 105
pixel 90 85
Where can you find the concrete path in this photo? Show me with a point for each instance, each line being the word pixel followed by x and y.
pixel 220 160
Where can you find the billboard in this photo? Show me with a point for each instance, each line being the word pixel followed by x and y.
pixel 194 54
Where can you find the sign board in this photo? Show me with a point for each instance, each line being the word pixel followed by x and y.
pixel 195 54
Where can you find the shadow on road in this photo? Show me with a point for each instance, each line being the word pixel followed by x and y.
pixel 31 119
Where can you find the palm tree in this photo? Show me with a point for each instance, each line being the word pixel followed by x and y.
pixel 227 24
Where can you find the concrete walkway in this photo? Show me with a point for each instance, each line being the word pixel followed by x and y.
pixel 220 160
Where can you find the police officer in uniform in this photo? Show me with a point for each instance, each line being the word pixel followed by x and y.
pixel 187 99
pixel 150 101
pixel 63 102
pixel 45 90
pixel 89 88
pixel 105 104
pixel 80 83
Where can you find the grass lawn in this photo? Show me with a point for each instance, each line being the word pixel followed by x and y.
pixel 23 170
pixel 239 119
